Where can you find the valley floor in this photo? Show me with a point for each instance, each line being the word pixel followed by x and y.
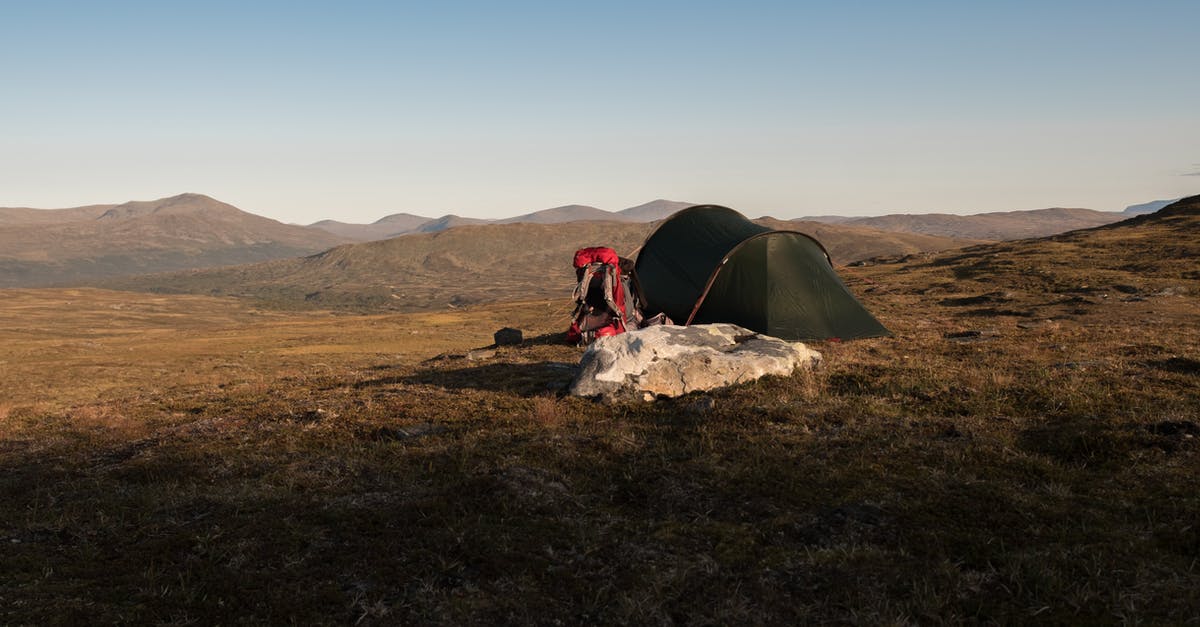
pixel 1012 455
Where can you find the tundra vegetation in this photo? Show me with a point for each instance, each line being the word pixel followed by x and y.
pixel 1026 448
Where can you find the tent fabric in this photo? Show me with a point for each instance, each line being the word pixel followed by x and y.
pixel 709 263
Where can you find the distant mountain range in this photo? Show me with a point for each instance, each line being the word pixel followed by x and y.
pixel 82 245
pixel 466 265
pixel 405 223
pixel 984 226
pixel 389 226
pixel 69 246
pixel 1006 225
pixel 1148 207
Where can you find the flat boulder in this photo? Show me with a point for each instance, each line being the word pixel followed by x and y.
pixel 672 361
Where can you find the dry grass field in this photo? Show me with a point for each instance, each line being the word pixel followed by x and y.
pixel 1025 449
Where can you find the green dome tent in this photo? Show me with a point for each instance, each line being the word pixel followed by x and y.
pixel 710 264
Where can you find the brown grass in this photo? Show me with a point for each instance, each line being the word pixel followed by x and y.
pixel 194 460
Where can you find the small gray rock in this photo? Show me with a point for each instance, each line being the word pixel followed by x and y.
pixel 410 432
pixel 972 335
pixel 508 336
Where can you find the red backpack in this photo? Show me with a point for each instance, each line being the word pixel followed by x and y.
pixel 607 301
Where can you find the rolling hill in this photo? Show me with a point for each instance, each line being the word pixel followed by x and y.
pixel 559 215
pixel 383 228
pixel 69 246
pixel 847 243
pixel 654 210
pixel 446 222
pixel 457 266
pixel 1149 254
pixel 997 226
pixel 468 264
pixel 1148 207
pixel 25 216
pixel 192 231
pixel 407 224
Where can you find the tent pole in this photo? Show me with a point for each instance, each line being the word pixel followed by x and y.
pixel 704 294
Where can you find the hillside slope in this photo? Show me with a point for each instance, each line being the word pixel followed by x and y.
pixel 406 224
pixel 998 226
pixel 1006 225
pixel 654 210
pixel 26 216
pixel 558 215
pixel 469 264
pixel 383 228
pixel 457 266
pixel 1149 207
pixel 847 243
pixel 69 246
pixel 1147 256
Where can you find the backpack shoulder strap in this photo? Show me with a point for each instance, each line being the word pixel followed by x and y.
pixel 585 279
pixel 612 283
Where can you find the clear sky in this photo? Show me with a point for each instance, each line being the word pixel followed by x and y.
pixel 353 110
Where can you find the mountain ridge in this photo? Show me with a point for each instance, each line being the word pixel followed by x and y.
pixel 384 228
pixel 558 215
pixel 484 263
pixel 174 233
pixel 996 226
pixel 1149 207
pixel 466 265
pixel 63 246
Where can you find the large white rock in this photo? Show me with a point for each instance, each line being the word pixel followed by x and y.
pixel 672 361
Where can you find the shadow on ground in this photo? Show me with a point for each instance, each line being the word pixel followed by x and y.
pixel 522 379
pixel 464 371
pixel 530 379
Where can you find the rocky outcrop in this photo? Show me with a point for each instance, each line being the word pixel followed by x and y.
pixel 672 361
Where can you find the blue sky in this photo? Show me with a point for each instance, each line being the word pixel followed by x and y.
pixel 353 110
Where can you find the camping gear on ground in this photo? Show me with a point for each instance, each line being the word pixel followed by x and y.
pixel 709 263
pixel 607 300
